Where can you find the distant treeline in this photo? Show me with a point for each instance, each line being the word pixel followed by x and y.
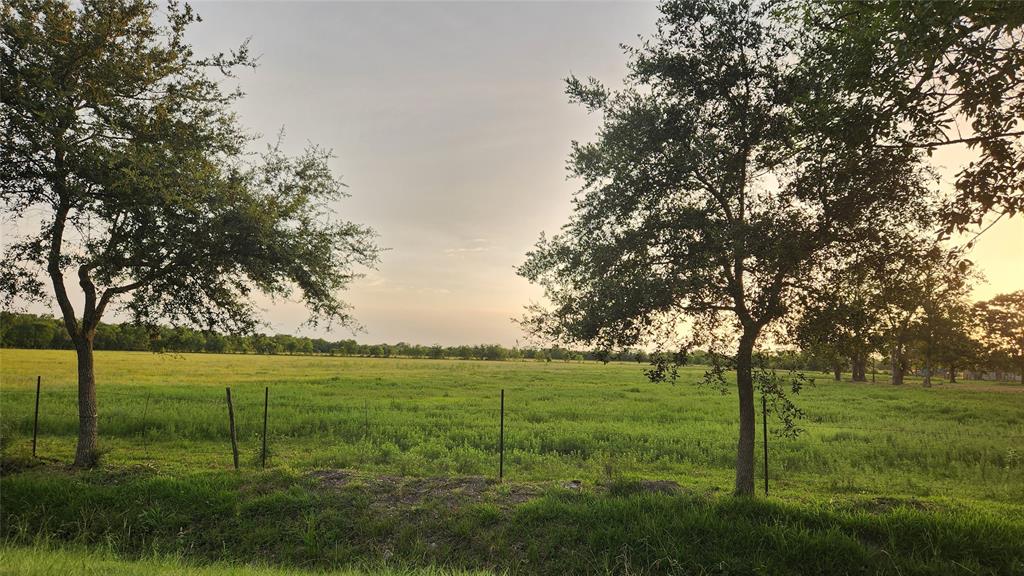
pixel 40 332
pixel 45 332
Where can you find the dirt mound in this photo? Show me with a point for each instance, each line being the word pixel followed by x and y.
pixel 395 491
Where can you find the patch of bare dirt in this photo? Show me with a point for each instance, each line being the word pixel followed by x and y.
pixel 333 478
pixel 445 492
pixel 448 492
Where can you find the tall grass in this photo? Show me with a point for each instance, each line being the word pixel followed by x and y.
pixel 563 420
pixel 886 480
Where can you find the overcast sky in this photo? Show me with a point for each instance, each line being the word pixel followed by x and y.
pixel 451 129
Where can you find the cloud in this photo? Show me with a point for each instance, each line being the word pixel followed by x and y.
pixel 466 249
pixel 475 245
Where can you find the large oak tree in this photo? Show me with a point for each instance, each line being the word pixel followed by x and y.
pixel 123 166
pixel 724 175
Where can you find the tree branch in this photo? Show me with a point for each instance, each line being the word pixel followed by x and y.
pixel 971 140
pixel 54 256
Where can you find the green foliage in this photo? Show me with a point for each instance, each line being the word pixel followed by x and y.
pixel 118 135
pixel 35 332
pixel 905 297
pixel 123 153
pixel 727 176
pixel 1002 326
pixel 941 74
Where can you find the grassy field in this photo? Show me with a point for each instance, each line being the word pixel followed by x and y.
pixel 886 479
pixel 44 561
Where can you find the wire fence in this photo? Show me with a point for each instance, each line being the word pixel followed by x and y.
pixel 153 417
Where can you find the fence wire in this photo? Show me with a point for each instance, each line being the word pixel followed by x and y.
pixel 528 426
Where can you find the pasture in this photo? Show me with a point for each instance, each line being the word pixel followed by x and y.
pixel 563 421
pixel 926 474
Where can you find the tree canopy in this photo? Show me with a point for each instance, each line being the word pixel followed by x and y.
pixel 121 150
pixel 943 74
pixel 726 172
pixel 1002 330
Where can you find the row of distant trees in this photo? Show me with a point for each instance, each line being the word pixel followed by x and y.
pixel 44 332
pixel 932 330
pixel 985 338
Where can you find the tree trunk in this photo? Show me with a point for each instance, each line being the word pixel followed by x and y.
pixel 897 364
pixel 927 370
pixel 859 367
pixel 837 372
pixel 952 374
pixel 88 417
pixel 745 386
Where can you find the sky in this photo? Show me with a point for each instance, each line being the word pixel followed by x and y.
pixel 451 129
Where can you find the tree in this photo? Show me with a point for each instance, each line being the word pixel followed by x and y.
pixel 1002 321
pixel 824 335
pixel 722 175
pixel 28 331
pixel 941 324
pixel 950 343
pixel 851 308
pixel 837 324
pixel 944 74
pixel 911 280
pixel 117 133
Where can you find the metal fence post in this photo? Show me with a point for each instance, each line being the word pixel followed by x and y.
pixel 266 403
pixel 764 423
pixel 501 440
pixel 35 422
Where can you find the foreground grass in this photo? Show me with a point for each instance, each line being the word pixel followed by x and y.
pixel 333 520
pixel 47 561
pixel 563 420
pixel 886 480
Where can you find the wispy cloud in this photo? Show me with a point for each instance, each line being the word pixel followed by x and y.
pixel 474 245
pixel 466 249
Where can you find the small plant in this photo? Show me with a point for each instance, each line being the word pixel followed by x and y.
pixel 1013 458
pixel 256 452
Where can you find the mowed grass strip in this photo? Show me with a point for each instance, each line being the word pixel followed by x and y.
pixel 563 420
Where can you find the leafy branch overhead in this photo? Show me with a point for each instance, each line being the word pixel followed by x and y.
pixel 949 74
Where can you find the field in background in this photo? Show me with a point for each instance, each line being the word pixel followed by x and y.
pixel 585 421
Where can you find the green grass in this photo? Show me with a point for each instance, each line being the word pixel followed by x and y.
pixel 563 420
pixel 285 518
pixel 900 480
pixel 43 561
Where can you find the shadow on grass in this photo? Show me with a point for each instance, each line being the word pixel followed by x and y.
pixel 334 519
